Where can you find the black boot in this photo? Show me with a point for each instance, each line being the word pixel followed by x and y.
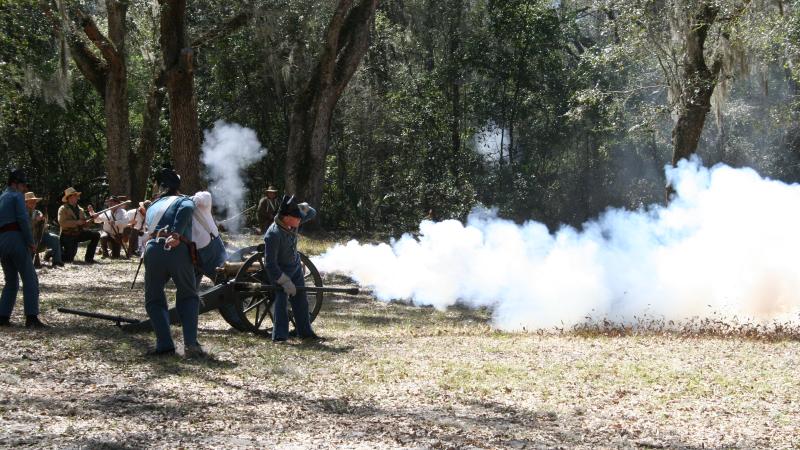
pixel 34 322
pixel 5 321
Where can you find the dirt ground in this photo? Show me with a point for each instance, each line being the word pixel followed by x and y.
pixel 389 376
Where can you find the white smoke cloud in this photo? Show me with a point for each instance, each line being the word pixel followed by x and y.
pixel 727 247
pixel 228 149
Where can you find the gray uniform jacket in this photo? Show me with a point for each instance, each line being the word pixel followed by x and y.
pixel 280 249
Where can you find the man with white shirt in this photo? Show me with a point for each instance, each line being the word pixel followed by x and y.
pixel 136 236
pixel 205 235
pixel 114 224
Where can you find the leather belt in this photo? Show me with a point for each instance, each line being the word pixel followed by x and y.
pixel 13 226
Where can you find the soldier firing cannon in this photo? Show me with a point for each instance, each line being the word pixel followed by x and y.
pixel 243 294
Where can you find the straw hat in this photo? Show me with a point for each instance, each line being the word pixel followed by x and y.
pixel 31 196
pixel 271 188
pixel 69 192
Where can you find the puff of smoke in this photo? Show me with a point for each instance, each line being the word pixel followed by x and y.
pixel 228 149
pixel 726 247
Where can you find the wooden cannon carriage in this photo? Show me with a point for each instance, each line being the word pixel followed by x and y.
pixel 243 294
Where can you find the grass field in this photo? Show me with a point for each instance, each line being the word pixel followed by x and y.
pixel 389 375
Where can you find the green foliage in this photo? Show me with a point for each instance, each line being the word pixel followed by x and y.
pixel 544 110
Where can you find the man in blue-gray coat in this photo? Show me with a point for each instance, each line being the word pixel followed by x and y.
pixel 283 265
pixel 16 250
pixel 168 255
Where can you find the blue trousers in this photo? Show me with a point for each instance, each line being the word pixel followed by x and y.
pixel 52 242
pixel 280 329
pixel 159 267
pixel 17 262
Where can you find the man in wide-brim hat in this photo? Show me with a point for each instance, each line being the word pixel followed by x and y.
pixel 267 208
pixel 16 248
pixel 73 221
pixel 41 236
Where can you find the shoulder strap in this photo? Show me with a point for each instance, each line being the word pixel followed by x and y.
pixel 161 213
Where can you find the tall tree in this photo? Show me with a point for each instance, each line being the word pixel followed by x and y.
pixel 108 75
pixel 178 76
pixel 346 42
pixel 178 57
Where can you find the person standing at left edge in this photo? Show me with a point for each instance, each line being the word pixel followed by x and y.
pixel 16 250
pixel 168 255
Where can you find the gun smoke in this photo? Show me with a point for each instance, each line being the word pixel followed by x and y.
pixel 725 248
pixel 228 149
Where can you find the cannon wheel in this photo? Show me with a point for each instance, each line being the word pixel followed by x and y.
pixel 230 311
pixel 253 309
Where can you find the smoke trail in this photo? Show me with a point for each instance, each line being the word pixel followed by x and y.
pixel 228 149
pixel 726 246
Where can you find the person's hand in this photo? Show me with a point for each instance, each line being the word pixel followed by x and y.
pixel 81 222
pixel 304 208
pixel 287 285
pixel 38 219
pixel 172 241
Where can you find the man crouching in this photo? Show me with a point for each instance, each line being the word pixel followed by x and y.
pixel 168 255
pixel 283 265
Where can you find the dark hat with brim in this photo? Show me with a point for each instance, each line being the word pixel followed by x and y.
pixel 168 178
pixel 271 188
pixel 17 176
pixel 289 207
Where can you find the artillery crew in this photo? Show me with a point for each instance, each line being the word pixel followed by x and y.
pixel 41 235
pixel 282 262
pixel 73 221
pixel 168 255
pixel 16 248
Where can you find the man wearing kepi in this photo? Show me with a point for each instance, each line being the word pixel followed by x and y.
pixel 16 248
pixel 283 265
pixel 168 255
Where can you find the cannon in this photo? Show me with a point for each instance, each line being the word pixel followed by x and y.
pixel 243 294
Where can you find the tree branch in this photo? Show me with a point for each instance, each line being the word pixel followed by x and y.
pixel 327 60
pixel 223 29
pixel 92 67
pixel 354 43
pixel 102 43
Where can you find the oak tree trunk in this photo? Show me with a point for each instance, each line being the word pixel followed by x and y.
pixel 697 84
pixel 142 158
pixel 178 59
pixel 108 75
pixel 347 40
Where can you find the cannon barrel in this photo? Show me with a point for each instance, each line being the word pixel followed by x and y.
pixel 259 287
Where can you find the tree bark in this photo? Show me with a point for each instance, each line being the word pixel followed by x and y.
pixel 697 87
pixel 118 136
pixel 697 84
pixel 178 59
pixel 109 76
pixel 346 42
pixel 142 158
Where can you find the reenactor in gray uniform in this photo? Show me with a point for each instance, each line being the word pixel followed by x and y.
pixel 16 251
pixel 282 262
